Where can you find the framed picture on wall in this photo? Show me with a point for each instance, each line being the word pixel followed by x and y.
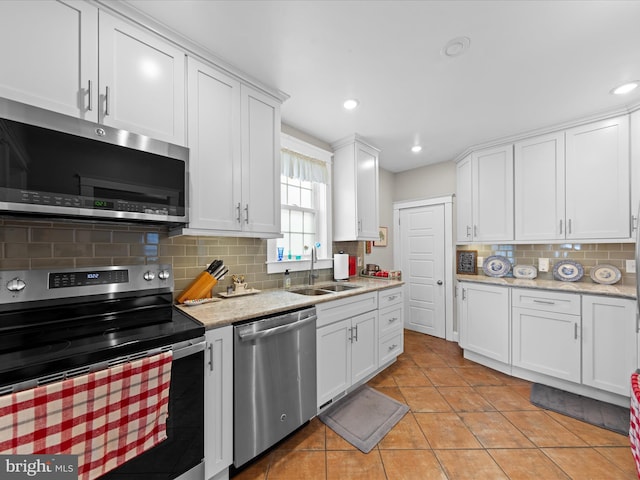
pixel 466 262
pixel 382 242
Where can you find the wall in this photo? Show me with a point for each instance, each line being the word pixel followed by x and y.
pixel 383 256
pixel 425 182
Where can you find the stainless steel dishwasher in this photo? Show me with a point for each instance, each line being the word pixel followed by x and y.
pixel 274 380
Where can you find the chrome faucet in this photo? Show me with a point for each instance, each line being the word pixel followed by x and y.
pixel 314 258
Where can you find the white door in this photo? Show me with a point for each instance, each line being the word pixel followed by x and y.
pixel 422 263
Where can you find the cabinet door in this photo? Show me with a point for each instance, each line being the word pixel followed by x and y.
pixel 50 55
pixel 464 201
pixel 493 194
pixel 367 193
pixel 547 342
pixel 597 180
pixel 539 188
pixel 141 82
pixel 609 353
pixel 334 360
pixel 214 149
pixel 364 346
pixel 218 401
pixel 260 117
pixel 485 320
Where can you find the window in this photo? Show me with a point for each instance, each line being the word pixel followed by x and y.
pixel 306 209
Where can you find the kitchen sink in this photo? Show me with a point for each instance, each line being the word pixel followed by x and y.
pixel 324 289
pixel 339 287
pixel 310 291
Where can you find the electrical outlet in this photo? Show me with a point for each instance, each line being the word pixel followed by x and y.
pixel 630 266
pixel 359 261
pixel 543 264
pixel 480 261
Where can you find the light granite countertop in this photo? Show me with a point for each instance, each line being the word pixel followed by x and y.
pixel 622 291
pixel 226 311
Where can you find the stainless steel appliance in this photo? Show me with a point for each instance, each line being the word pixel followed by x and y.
pixel 56 165
pixel 274 380
pixel 59 323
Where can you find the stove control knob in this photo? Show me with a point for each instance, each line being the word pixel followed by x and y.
pixel 16 285
pixel 148 276
pixel 164 274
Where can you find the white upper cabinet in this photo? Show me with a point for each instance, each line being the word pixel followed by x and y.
pixel 355 190
pixel 70 58
pixel 485 196
pixel 50 55
pixel 539 188
pixel 464 201
pixel 234 142
pixel 597 180
pixel 141 83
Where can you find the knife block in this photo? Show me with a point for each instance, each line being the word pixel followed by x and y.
pixel 200 287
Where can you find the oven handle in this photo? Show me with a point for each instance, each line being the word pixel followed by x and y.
pixel 184 349
pixel 245 337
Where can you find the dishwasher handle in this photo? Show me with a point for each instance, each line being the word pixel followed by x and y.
pixel 249 335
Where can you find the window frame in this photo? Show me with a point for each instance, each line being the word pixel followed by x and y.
pixel 324 226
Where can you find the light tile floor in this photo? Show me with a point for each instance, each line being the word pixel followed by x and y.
pixel 466 422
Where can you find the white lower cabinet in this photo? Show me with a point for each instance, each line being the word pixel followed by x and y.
pixel 545 333
pixel 218 402
pixel 347 352
pixel 484 325
pixel 347 343
pixel 609 347
pixel 390 324
pixel 586 344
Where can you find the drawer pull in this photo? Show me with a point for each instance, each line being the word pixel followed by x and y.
pixel 393 347
pixel 392 297
pixel 391 320
pixel 545 302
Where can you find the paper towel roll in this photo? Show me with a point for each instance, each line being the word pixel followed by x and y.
pixel 340 266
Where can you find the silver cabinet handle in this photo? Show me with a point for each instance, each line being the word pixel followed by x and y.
pixel 545 302
pixel 393 347
pixel 106 101
pixel 569 226
pixel 468 231
pixel 392 297
pixel 246 213
pixel 210 347
pixel 475 230
pixel 90 93
pixel 355 338
pixel 561 227
pixel 391 320
pixel 575 331
pixel 238 208
pixel 439 282
pixel 359 225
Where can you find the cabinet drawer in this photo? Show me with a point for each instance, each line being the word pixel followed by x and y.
pixel 390 320
pixel 568 303
pixel 335 310
pixel 390 347
pixel 391 296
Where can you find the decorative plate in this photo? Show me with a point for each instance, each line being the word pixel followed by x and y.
pixel 568 271
pixel 496 266
pixel 605 274
pixel 525 271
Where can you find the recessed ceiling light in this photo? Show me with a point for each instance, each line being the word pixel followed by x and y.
pixel 625 88
pixel 351 104
pixel 456 47
pixel 416 148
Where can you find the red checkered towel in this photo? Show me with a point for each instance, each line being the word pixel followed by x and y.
pixel 105 417
pixel 634 426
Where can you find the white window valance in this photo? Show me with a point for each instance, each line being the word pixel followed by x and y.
pixel 296 165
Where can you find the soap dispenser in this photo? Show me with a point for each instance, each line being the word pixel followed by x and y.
pixel 287 280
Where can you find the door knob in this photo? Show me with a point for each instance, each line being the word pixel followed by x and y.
pixel 439 282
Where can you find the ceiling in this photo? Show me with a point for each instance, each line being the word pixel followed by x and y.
pixel 530 65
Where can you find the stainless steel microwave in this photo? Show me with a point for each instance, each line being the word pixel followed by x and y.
pixel 56 165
